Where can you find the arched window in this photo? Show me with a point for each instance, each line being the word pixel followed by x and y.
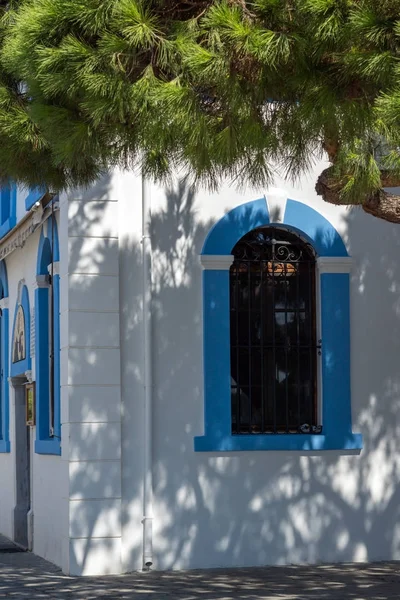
pixel 4 342
pixel 266 288
pixel 273 334
pixel 47 342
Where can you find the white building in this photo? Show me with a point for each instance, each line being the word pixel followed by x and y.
pixel 143 454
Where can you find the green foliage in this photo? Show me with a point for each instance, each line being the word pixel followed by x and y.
pixel 218 88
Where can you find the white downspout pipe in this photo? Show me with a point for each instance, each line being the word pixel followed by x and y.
pixel 148 382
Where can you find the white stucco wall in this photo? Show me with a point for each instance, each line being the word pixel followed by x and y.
pixel 248 508
pixel 254 508
pixel 7 490
pixel 90 379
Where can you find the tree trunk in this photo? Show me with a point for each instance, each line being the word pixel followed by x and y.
pixel 381 204
pixel 384 206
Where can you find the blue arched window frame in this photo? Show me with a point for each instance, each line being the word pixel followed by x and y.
pixel 4 358
pixel 48 252
pixel 333 271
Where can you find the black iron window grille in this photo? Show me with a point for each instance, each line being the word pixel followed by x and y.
pixel 273 334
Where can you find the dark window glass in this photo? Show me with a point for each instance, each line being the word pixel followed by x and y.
pixel 273 334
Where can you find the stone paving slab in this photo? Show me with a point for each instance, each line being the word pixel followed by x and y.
pixel 24 576
pixel 7 545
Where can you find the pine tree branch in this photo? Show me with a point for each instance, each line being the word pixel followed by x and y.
pixel 380 204
pixel 383 206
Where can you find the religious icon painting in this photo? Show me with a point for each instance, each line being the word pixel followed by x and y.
pixel 19 345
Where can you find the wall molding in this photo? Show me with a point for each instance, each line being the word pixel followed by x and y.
pixel 214 262
pixel 333 264
pixel 41 281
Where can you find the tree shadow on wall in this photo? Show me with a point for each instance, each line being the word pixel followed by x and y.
pixel 253 507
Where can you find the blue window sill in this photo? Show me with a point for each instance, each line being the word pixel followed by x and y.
pixel 303 442
pixel 52 446
pixel 4 446
pixel 7 226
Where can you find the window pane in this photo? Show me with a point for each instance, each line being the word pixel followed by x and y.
pixel 273 341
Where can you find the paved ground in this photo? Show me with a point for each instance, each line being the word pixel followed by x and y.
pixel 24 576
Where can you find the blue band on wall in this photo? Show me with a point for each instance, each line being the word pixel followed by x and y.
pixel 336 414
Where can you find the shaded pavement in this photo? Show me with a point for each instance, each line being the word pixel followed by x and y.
pixel 24 576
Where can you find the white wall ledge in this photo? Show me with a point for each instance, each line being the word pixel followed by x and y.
pixel 42 281
pixel 211 262
pixel 335 264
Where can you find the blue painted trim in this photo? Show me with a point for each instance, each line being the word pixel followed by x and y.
pixel 34 196
pixel 4 386
pixel 234 225
pixel 42 363
pixel 44 255
pixel 304 443
pixel 217 366
pixel 3 280
pixel 53 238
pixel 335 323
pixel 44 444
pixel 49 446
pixel 8 209
pixel 335 318
pixel 20 367
pixel 4 357
pixel 5 447
pixel 325 239
pixel 57 355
